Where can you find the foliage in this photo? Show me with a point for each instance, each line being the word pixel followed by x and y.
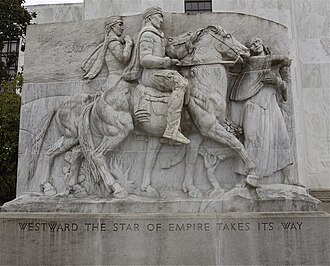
pixel 10 104
pixel 15 85
pixel 14 19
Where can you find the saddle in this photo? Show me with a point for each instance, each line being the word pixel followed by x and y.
pixel 147 99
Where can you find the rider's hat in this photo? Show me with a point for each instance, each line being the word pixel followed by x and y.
pixel 111 21
pixel 152 11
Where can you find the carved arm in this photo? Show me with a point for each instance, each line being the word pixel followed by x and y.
pixel 122 52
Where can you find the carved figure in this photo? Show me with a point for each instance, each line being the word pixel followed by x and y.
pixel 110 119
pixel 153 57
pixel 261 85
pixel 206 105
pixel 115 51
pixel 106 122
pixel 67 119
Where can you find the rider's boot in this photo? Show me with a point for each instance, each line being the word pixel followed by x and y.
pixel 175 104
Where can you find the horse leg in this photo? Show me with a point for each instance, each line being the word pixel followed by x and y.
pixel 98 156
pixel 211 162
pixel 191 159
pixel 219 134
pixel 153 149
pixel 75 167
pixel 61 146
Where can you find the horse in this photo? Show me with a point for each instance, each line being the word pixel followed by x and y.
pixel 66 117
pixel 108 121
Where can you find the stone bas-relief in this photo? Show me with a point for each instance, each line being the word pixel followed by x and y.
pixel 161 129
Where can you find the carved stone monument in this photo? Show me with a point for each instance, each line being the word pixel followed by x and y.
pixel 162 113
pixel 186 117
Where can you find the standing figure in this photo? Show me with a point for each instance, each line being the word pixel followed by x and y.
pixel 152 59
pixel 115 51
pixel 258 86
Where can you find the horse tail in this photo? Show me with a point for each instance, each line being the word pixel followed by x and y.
pixel 85 140
pixel 37 142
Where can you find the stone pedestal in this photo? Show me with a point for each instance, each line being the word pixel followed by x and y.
pixel 165 239
pixel 266 198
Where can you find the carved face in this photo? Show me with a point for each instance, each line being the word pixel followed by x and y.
pixel 118 28
pixel 256 46
pixel 156 20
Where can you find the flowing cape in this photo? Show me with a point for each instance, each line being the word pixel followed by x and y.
pixel 93 65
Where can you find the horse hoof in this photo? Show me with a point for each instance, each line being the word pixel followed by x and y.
pixel 120 194
pixel 48 189
pixel 151 192
pixel 215 193
pixel 252 181
pixel 194 192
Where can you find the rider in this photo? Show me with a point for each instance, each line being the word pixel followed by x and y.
pixel 152 59
pixel 115 51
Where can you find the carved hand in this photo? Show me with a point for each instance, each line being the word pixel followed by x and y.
pixel 128 39
pixel 287 61
pixel 273 81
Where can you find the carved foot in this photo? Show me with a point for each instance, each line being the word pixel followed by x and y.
pixel 215 193
pixel 252 180
pixel 176 136
pixel 150 192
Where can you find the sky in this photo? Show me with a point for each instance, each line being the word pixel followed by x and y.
pixel 39 2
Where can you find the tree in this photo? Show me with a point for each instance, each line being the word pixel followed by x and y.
pixel 14 19
pixel 10 104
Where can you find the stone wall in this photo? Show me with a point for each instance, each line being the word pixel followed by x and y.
pixel 169 239
pixel 308 24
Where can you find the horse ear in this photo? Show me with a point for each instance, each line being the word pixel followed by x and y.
pixel 213 28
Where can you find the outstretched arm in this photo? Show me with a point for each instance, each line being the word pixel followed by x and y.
pixel 281 60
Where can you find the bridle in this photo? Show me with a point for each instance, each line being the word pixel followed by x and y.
pixel 238 58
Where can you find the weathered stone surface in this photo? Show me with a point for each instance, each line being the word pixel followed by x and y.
pixel 307 22
pixel 165 239
pixel 50 85
pixel 57 13
pixel 266 198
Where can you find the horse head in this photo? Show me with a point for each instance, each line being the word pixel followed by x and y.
pixel 214 44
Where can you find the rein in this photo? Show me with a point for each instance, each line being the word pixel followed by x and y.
pixel 209 64
pixel 218 62
pixel 215 37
